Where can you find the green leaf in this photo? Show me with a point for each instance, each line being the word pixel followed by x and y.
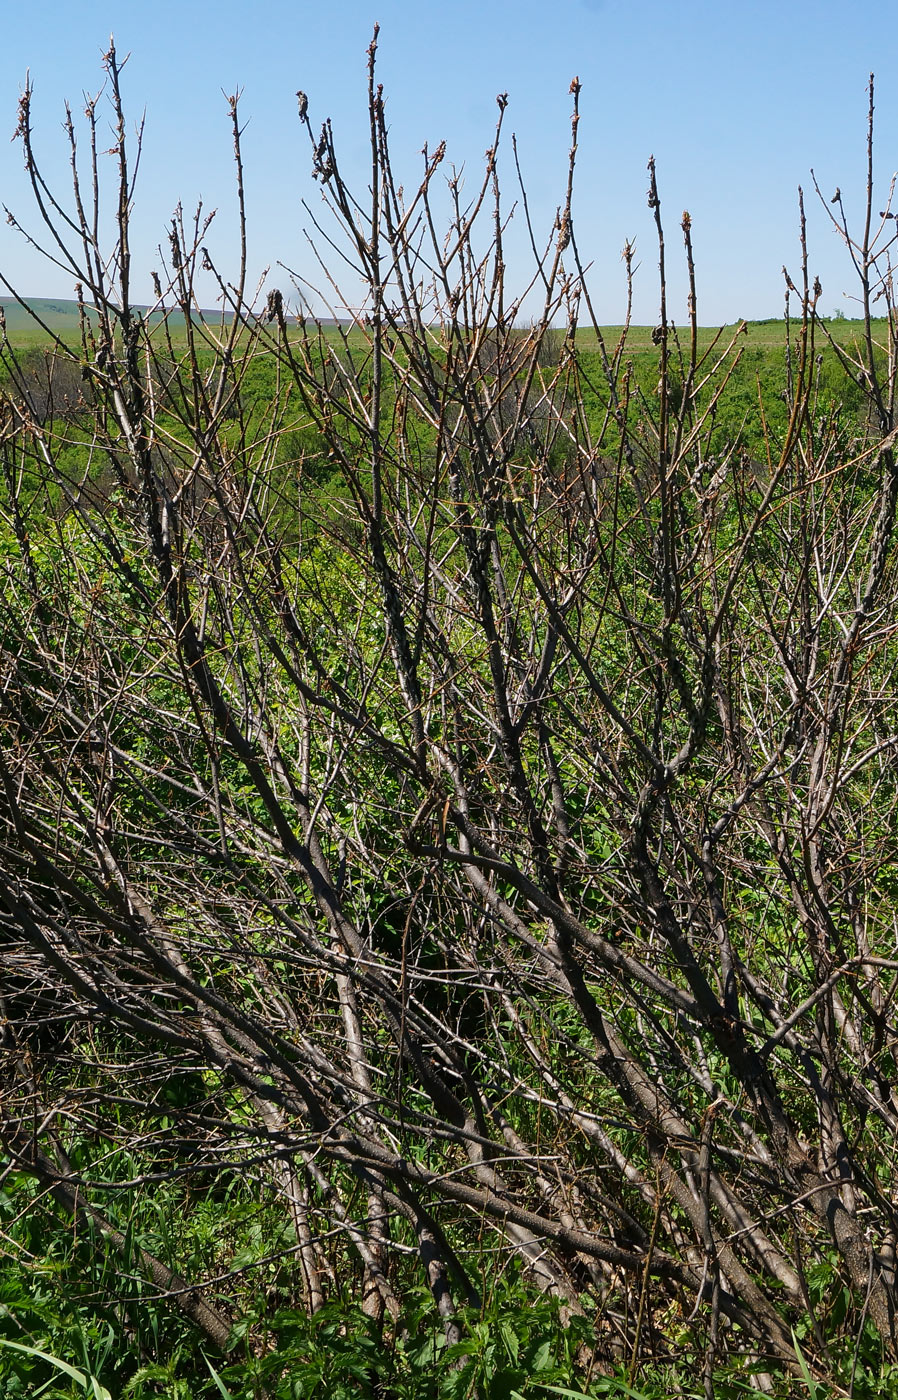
pixel 813 1388
pixel 238 1332
pixel 510 1338
pixel 90 1383
pixel 542 1357
pixel 223 1390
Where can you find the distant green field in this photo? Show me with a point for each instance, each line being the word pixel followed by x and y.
pixel 59 317
pixel 759 335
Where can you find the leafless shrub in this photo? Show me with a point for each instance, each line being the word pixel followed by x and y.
pixel 517 841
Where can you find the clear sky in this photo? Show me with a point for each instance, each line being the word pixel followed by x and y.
pixel 736 102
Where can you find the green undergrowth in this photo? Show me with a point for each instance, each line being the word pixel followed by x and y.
pixel 514 1348
pixel 78 1319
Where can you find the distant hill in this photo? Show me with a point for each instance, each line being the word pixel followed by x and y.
pixel 59 316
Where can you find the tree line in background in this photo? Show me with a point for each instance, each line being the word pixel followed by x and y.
pixel 448 820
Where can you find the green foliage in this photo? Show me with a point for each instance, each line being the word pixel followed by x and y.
pixel 516 1348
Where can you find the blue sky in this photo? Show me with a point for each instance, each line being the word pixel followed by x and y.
pixel 736 102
